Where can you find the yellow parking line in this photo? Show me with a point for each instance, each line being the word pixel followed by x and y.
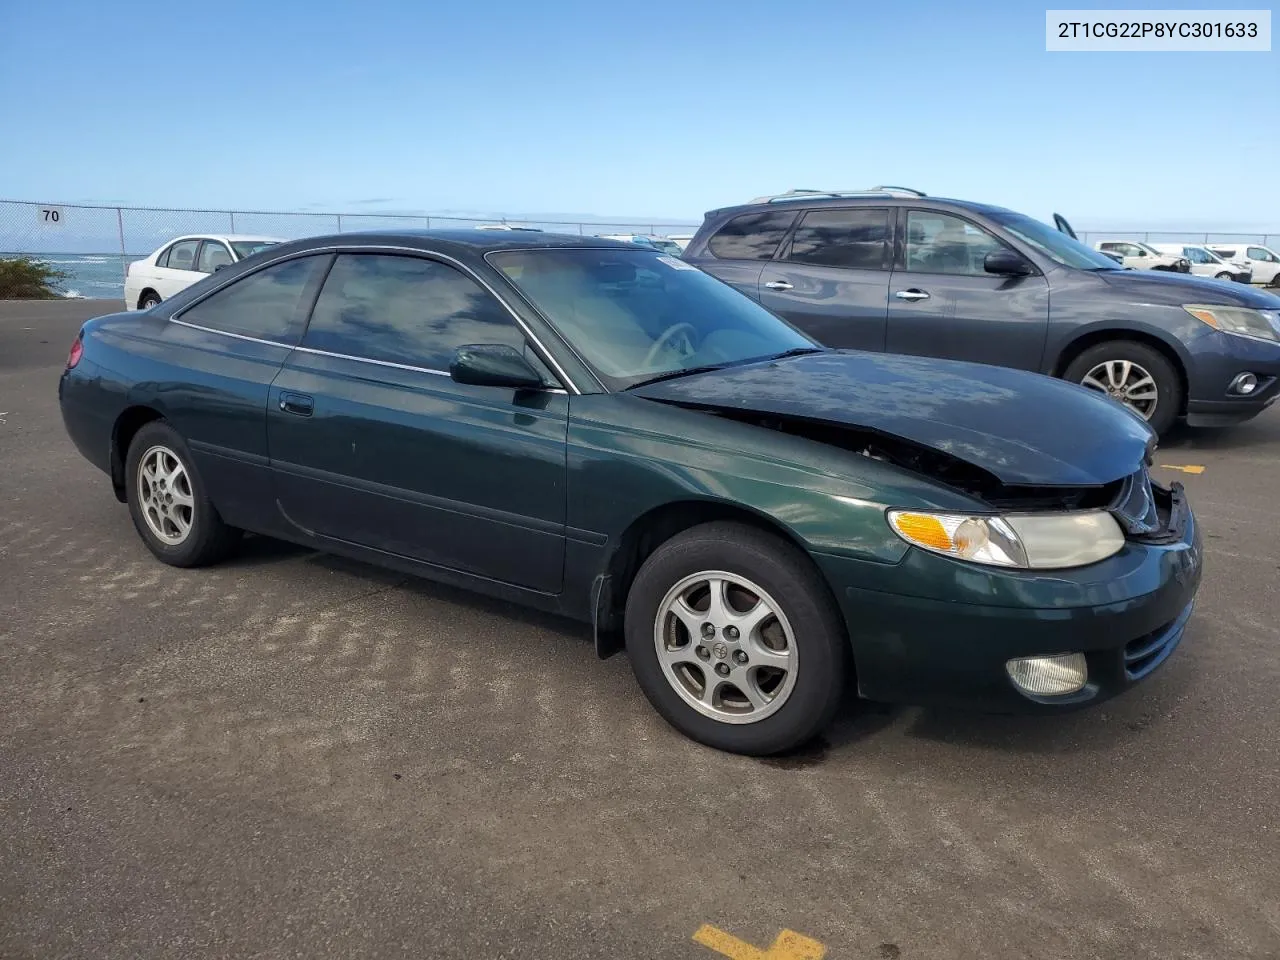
pixel 788 945
pixel 1190 468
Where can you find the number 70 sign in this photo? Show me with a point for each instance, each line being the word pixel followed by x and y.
pixel 49 216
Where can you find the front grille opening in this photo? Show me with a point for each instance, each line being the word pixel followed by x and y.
pixel 1147 652
pixel 1023 498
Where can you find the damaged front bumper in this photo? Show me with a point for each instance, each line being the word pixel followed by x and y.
pixel 933 630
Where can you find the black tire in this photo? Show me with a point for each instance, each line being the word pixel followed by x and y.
pixel 1275 281
pixel 1169 391
pixel 149 299
pixel 1223 276
pixel 789 577
pixel 208 539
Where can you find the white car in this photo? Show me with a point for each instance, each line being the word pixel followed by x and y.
pixel 1263 261
pixel 1206 263
pixel 664 244
pixel 681 240
pixel 183 261
pixel 1140 256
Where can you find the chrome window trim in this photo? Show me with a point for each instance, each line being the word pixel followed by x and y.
pixel 567 384
pixel 380 363
pixel 396 366
pixel 228 333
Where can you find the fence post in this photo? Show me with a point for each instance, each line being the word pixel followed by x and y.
pixel 428 223
pixel 124 257
pixel 339 223
pixel 232 215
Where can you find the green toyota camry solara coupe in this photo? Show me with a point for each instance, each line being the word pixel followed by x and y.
pixel 604 431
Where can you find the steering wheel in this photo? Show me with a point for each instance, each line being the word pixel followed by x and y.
pixel 666 336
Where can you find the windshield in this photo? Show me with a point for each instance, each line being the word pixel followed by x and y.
pixel 247 248
pixel 635 315
pixel 1053 243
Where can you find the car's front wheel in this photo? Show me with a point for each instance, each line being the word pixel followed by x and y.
pixel 1223 276
pixel 734 638
pixel 1134 374
pixel 167 501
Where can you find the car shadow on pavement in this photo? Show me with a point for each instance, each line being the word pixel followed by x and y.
pixel 1254 433
pixel 256 551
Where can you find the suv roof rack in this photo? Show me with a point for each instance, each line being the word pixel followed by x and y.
pixel 883 191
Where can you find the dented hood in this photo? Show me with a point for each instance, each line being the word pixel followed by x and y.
pixel 1023 428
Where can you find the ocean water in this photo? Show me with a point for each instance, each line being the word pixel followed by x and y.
pixel 89 275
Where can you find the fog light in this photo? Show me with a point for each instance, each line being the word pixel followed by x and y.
pixel 1049 676
pixel 1244 384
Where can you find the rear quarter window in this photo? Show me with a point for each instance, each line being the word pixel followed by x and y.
pixel 264 305
pixel 751 236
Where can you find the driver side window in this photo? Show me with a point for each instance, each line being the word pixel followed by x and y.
pixel 405 310
pixel 940 243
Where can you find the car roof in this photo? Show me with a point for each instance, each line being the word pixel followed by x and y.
pixel 473 241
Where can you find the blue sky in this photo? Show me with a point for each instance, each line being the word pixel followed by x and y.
pixel 646 109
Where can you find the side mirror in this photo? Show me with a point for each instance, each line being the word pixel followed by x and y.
pixel 494 365
pixel 220 266
pixel 1006 263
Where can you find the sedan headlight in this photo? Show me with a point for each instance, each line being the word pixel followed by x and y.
pixel 1028 541
pixel 1242 321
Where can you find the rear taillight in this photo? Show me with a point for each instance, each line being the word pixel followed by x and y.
pixel 77 349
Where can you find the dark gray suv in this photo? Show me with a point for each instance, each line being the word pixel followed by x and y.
pixel 897 271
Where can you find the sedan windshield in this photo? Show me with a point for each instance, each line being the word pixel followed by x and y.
pixel 1053 243
pixel 636 315
pixel 247 248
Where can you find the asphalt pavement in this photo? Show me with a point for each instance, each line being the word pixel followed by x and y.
pixel 291 755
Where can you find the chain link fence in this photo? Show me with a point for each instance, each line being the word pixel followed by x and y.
pixel 1091 237
pixel 92 245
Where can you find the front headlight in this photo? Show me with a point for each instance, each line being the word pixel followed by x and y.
pixel 1028 541
pixel 1242 321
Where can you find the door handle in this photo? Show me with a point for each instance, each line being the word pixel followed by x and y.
pixel 778 285
pixel 298 404
pixel 911 294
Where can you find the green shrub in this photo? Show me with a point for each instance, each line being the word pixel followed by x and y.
pixel 25 279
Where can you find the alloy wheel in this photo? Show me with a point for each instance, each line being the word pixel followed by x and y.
pixel 726 647
pixel 1127 382
pixel 165 495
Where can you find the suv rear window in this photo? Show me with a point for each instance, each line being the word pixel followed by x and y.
pixel 752 236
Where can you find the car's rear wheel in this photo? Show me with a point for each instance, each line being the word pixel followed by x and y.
pixel 149 299
pixel 735 639
pixel 167 501
pixel 1134 374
